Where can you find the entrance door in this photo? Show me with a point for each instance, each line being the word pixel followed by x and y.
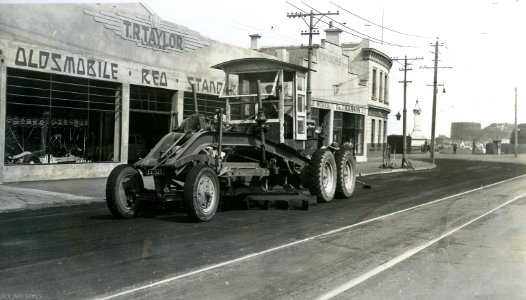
pixel 149 118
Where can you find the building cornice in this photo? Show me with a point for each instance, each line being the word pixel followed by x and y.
pixel 378 57
pixel 386 109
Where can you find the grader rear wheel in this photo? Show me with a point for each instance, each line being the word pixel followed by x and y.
pixel 322 175
pixel 346 173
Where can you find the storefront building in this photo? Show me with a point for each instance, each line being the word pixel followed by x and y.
pixel 84 87
pixel 372 67
pixel 350 95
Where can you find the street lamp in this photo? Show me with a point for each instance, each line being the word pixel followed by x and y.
pixel 398 116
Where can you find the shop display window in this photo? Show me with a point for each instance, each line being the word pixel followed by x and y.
pixel 60 119
pixel 337 127
pixel 207 104
pixel 353 125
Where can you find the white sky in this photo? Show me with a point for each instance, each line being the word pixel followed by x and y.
pixel 483 43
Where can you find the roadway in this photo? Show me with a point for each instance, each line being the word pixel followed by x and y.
pixel 454 231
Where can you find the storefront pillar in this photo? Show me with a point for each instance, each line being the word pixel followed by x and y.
pixel 3 75
pixel 331 126
pixel 125 122
pixel 118 126
pixel 174 113
pixel 179 105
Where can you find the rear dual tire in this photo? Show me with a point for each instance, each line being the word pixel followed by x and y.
pixel 322 175
pixel 331 175
pixel 346 173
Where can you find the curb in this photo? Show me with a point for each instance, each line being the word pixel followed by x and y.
pixel 45 193
pixel 20 199
pixel 390 171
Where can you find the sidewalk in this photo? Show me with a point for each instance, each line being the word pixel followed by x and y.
pixel 374 165
pixel 38 194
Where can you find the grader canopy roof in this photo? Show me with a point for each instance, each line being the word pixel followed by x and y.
pixel 257 64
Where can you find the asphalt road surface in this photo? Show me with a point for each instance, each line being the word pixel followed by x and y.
pixel 457 231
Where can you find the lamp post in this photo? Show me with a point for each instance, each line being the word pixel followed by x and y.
pixel 404 143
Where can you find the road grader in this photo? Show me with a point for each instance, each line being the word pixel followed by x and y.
pixel 262 146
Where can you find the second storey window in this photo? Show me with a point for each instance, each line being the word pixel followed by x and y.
pixel 381 90
pixel 386 90
pixel 373 123
pixel 374 95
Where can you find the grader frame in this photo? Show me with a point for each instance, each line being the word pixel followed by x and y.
pixel 259 158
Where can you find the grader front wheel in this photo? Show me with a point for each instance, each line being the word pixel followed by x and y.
pixel 122 185
pixel 201 193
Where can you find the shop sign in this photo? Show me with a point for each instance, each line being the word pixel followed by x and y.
pixel 339 107
pixel 68 64
pixel 155 77
pixel 322 105
pixel 149 32
pixel 204 85
pixel 350 108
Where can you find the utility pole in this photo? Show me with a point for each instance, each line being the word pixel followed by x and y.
pixel 516 138
pixel 405 162
pixel 312 31
pixel 433 118
pixel 435 91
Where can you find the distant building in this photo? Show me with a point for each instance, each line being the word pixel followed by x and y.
pixel 465 131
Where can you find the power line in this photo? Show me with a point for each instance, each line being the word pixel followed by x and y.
pixel 337 23
pixel 340 84
pixel 372 39
pixel 383 27
pixel 249 28
pixel 343 25
pixel 312 31
pixel 271 33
